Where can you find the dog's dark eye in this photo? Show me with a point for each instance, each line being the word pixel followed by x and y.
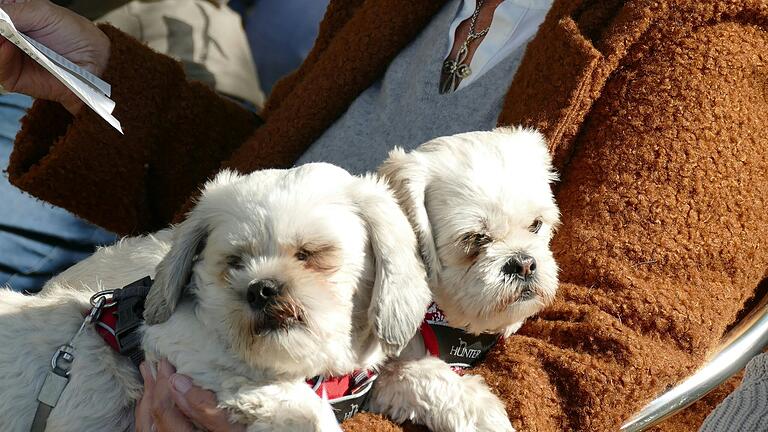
pixel 535 226
pixel 302 255
pixel 481 240
pixel 235 262
pixel 473 242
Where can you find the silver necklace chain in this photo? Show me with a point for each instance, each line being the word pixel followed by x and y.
pixel 456 69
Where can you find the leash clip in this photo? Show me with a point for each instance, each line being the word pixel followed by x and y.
pixel 107 296
pixel 63 357
pixel 65 354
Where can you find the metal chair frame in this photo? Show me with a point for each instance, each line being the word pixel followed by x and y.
pixel 743 342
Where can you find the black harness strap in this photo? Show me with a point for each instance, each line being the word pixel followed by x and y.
pixel 130 315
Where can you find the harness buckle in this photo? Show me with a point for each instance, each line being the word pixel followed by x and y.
pixel 62 359
pixel 130 315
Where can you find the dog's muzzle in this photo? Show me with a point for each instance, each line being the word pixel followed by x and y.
pixel 272 308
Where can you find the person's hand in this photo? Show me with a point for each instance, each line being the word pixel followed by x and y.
pixel 60 29
pixel 171 403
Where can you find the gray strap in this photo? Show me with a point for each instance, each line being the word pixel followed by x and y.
pixel 53 386
pixel 61 363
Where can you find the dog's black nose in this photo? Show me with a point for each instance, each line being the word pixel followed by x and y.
pixel 522 266
pixel 262 291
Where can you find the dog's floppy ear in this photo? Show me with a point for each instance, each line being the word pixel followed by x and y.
pixel 409 179
pixel 400 292
pixel 175 269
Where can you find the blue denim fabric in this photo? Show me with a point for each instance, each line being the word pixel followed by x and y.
pixel 37 240
pixel 280 33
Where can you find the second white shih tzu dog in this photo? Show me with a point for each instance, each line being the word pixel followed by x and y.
pixel 274 277
pixel 483 211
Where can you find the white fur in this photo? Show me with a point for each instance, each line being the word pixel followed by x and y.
pixel 496 184
pixel 358 299
pixel 117 265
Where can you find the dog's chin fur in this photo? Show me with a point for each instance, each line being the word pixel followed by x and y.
pixel 475 201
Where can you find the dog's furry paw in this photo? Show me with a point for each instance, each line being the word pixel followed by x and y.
pixel 487 410
pixel 428 392
pixel 297 418
pixel 282 407
pixel 321 418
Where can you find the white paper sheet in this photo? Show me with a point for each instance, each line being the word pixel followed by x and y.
pixel 93 91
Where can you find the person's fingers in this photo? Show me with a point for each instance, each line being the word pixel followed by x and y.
pixel 27 15
pixel 162 386
pixel 36 18
pixel 201 406
pixel 161 400
pixel 142 413
pixel 10 59
pixel 61 30
pixel 166 416
pixel 146 375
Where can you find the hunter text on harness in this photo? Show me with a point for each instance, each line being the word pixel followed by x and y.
pixel 454 346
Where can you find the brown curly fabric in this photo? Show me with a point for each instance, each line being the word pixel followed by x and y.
pixel 655 111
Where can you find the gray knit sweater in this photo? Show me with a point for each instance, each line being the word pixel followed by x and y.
pixel 407 98
pixel 746 409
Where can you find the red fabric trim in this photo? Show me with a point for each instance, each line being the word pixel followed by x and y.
pixel 333 388
pixel 430 340
pixel 433 314
pixel 108 317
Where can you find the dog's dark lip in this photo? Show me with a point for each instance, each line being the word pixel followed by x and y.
pixel 268 323
pixel 528 290
pixel 275 326
pixel 526 294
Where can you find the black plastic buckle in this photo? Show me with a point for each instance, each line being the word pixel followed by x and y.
pixel 130 315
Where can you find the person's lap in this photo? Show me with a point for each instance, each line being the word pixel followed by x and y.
pixel 37 240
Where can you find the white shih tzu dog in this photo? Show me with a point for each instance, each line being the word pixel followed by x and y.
pixel 483 211
pixel 274 277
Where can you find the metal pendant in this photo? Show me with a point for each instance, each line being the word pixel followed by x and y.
pixel 455 70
